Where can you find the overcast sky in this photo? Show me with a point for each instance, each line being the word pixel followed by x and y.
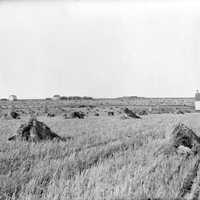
pixel 99 49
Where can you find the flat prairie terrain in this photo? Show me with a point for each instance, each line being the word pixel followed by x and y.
pixel 107 157
pixel 59 107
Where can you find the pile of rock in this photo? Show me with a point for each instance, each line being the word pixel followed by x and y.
pixel 35 131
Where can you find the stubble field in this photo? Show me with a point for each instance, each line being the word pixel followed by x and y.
pixel 106 157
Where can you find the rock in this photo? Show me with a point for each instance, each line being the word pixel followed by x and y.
pixel 35 131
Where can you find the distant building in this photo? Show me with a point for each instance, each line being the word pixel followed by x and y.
pixel 56 97
pixel 12 98
pixel 197 101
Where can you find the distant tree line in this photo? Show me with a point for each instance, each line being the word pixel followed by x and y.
pixel 4 99
pixel 75 98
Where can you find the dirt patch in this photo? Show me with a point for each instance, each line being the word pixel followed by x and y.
pixel 35 131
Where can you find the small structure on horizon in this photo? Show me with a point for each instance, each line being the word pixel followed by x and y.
pixel 56 97
pixel 197 101
pixel 12 98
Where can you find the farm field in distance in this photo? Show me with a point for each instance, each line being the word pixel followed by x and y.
pixel 108 156
pixel 58 107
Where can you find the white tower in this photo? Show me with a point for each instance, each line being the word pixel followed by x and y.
pixel 197 101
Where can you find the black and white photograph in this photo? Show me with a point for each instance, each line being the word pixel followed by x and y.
pixel 99 100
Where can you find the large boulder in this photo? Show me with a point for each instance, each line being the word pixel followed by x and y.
pixel 131 114
pixel 35 131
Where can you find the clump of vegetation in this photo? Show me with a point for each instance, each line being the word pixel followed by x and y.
pixel 78 114
pixel 4 99
pixel 35 131
pixel 131 114
pixel 11 115
pixel 74 115
pixel 48 99
pixel 180 112
pixel 111 113
pixel 75 98
pixel 50 114
pixel 182 135
pixel 143 112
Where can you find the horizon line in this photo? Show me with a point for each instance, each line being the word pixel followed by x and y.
pixel 119 97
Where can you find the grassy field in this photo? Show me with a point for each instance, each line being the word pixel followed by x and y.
pixel 59 107
pixel 107 158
